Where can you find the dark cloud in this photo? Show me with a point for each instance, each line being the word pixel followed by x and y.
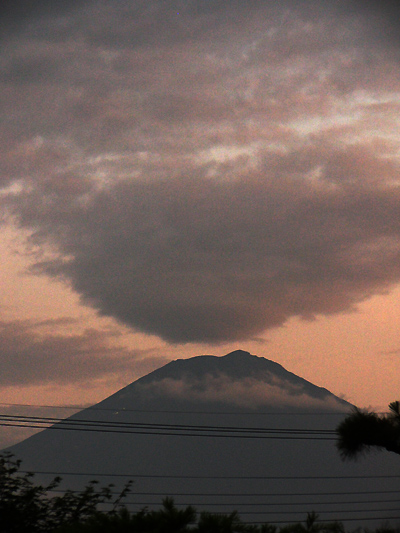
pixel 205 172
pixel 33 353
pixel 18 16
pixel 197 259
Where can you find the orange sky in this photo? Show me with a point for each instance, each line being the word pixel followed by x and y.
pixel 355 355
pixel 177 185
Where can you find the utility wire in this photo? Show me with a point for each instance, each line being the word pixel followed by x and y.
pixel 124 424
pixel 124 410
pixel 165 429
pixel 186 476
pixel 252 495
pixel 166 433
pixel 223 431
pixel 263 494
pixel 117 424
pixel 278 504
pixel 296 512
pixel 335 518
pixel 288 512
pixel 339 519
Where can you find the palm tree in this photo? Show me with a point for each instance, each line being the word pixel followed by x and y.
pixel 361 431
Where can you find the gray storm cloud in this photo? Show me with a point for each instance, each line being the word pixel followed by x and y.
pixel 204 174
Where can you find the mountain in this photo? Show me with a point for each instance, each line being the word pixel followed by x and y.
pixel 220 433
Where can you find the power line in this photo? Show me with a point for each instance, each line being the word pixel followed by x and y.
pixel 289 512
pixel 187 476
pixel 277 512
pixel 339 519
pixel 320 510
pixel 165 411
pixel 285 512
pixel 134 424
pixel 252 494
pixel 165 429
pixel 263 494
pixel 166 433
pixel 325 512
pixel 277 504
pixel 272 513
pixel 117 424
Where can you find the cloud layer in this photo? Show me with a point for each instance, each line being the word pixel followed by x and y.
pixel 247 393
pixel 40 353
pixel 205 171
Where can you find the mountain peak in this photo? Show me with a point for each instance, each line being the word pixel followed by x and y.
pixel 239 353
pixel 235 379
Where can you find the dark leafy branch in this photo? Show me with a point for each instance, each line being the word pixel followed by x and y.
pixel 362 431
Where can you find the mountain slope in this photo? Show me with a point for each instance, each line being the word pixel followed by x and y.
pixel 238 379
pixel 236 365
pixel 233 432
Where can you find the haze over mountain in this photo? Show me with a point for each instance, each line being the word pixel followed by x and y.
pixel 221 433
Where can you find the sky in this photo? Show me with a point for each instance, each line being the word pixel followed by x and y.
pixel 192 177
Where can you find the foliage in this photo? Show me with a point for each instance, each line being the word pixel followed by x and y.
pixel 168 519
pixel 213 523
pixel 101 522
pixel 27 508
pixel 361 431
pixel 313 526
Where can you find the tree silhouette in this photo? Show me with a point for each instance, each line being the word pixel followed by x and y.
pixel 27 508
pixel 225 523
pixel 169 519
pixel 313 526
pixel 361 431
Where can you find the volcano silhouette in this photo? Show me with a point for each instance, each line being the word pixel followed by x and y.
pixel 237 432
